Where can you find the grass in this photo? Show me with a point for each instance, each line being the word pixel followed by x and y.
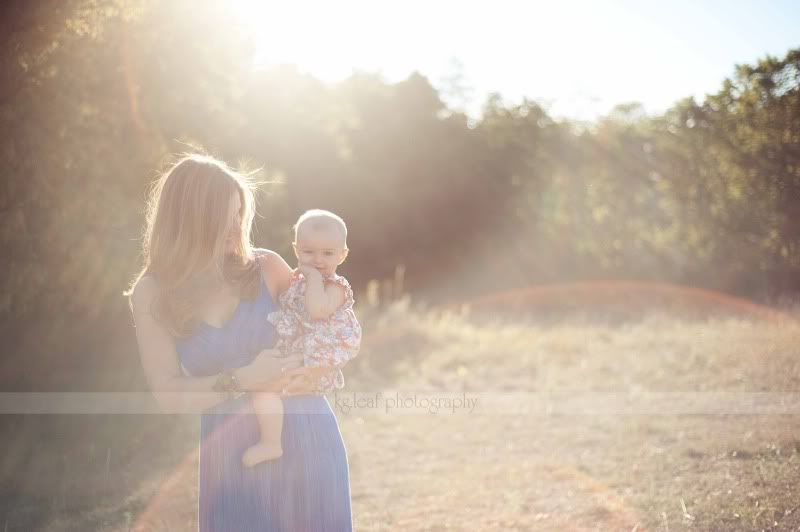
pixel 491 469
pixel 580 472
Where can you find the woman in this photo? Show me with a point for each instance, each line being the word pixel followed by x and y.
pixel 200 305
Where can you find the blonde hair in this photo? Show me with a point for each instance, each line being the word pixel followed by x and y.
pixel 189 216
pixel 321 219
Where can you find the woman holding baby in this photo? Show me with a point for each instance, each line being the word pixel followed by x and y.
pixel 200 306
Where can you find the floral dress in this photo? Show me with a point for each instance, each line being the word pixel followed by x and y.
pixel 327 342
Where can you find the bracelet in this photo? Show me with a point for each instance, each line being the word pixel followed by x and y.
pixel 228 384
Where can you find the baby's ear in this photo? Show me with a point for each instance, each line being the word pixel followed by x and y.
pixel 344 255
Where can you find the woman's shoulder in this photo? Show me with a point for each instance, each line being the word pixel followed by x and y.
pixel 271 262
pixel 144 291
pixel 147 285
pixel 274 269
pixel 266 257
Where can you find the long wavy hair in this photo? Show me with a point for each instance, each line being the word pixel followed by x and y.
pixel 188 219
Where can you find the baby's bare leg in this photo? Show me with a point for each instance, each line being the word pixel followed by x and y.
pixel 269 412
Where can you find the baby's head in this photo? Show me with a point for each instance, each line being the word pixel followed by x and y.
pixel 320 240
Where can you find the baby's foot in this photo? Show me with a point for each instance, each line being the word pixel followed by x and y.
pixel 261 452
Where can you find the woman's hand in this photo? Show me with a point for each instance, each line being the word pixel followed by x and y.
pixel 267 370
pixel 303 381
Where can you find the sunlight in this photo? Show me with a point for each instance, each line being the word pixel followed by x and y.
pixel 319 38
pixel 579 58
pixel 331 40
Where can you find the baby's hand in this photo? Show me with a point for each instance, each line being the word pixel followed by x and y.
pixel 309 272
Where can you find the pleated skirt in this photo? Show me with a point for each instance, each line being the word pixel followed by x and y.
pixel 306 489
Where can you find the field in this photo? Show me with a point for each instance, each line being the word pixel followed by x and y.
pixel 581 465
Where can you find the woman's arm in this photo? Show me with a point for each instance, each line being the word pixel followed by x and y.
pixel 172 390
pixel 303 381
pixel 175 392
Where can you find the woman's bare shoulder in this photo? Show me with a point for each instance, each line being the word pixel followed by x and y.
pixel 144 292
pixel 275 270
pixel 264 254
pixel 269 260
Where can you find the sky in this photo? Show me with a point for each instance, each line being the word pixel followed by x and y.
pixel 578 58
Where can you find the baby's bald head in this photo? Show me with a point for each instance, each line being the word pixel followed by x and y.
pixel 319 220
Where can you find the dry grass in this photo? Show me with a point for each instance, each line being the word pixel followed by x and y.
pixel 580 472
pixel 499 470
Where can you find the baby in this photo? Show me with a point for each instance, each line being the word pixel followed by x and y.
pixel 316 318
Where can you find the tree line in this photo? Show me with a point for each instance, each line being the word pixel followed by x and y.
pixel 97 95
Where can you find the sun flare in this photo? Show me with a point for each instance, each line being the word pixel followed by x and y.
pixel 319 38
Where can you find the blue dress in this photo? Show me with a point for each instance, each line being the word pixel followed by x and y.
pixel 306 489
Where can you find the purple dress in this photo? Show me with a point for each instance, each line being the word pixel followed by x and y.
pixel 308 487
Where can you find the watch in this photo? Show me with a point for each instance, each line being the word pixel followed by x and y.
pixel 228 384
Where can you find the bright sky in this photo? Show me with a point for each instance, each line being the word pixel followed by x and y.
pixel 577 57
